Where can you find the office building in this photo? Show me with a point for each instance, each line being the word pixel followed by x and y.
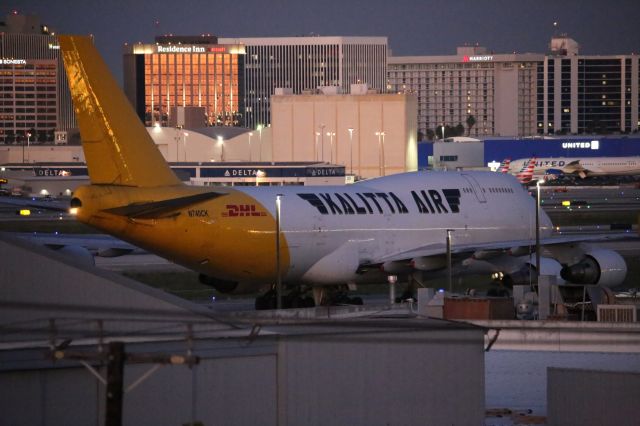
pixel 34 94
pixel 560 92
pixel 580 94
pixel 303 64
pixel 185 71
pixel 499 91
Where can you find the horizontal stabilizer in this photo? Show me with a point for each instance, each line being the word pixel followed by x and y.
pixel 158 209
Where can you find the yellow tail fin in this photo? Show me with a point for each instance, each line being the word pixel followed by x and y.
pixel 117 147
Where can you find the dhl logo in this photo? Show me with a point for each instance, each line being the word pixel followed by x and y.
pixel 237 210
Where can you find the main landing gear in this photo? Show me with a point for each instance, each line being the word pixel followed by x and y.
pixel 299 298
pixel 293 299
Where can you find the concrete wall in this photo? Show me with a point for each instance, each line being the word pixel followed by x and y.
pixel 309 377
pixel 470 154
pixel 315 127
pixel 431 377
pixel 589 397
pixel 506 100
pixel 41 153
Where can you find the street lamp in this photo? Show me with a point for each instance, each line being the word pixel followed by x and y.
pixel 221 144
pixel 176 137
pixel 538 231
pixel 278 271
pixel 185 134
pixel 381 165
pixel 331 135
pixel 449 268
pixel 322 142
pixel 28 145
pixel 259 129
pixel 350 129
pixel 316 150
pixel 250 134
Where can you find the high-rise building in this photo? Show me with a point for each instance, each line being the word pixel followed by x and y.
pixel 560 92
pixel 498 91
pixel 185 71
pixel 34 93
pixel 586 93
pixel 303 64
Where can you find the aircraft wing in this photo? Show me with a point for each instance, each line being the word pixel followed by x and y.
pixel 61 206
pixel 574 167
pixel 440 248
pixel 97 244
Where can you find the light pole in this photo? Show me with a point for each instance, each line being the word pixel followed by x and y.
pixel 28 145
pixel 259 129
pixel 316 150
pixel 185 134
pixel 221 143
pixel 331 135
pixel 537 231
pixel 442 132
pixel 322 143
pixel 176 137
pixel 449 268
pixel 350 129
pixel 278 272
pixel 381 165
pixel 250 134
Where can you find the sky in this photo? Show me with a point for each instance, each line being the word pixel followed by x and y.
pixel 413 27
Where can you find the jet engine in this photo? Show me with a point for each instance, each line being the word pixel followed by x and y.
pixel 548 266
pixel 228 287
pixel 599 266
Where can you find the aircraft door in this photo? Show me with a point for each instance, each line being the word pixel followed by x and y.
pixel 475 186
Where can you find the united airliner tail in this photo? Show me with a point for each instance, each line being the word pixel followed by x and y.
pixel 118 150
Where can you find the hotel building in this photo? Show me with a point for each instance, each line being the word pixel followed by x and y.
pixel 34 93
pixel 561 92
pixel 499 91
pixel 580 94
pixel 179 71
pixel 303 64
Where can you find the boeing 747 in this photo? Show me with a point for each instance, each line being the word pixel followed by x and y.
pixel 328 236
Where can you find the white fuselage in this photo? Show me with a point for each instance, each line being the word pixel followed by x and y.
pixel 387 216
pixel 582 166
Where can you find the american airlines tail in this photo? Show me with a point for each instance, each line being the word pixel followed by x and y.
pixel 504 166
pixel 107 120
pixel 525 175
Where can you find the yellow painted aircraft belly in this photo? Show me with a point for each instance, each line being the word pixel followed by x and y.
pixel 231 237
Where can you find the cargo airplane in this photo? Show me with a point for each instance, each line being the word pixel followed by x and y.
pixel 329 236
pixel 583 167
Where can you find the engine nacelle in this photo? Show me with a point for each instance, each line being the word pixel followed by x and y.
pixel 429 263
pixel 228 287
pixel 599 266
pixel 548 266
pixel 78 254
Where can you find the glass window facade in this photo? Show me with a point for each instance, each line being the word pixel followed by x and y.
pixel 306 63
pixel 28 100
pixel 210 78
